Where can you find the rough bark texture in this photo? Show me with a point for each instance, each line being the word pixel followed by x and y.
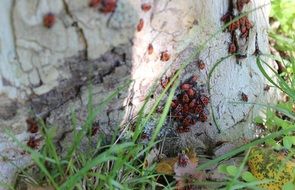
pixel 45 72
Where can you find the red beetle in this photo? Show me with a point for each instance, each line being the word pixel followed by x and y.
pixel 185 108
pixel 48 20
pixel 150 49
pixel 185 98
pixel 233 26
pixel 205 100
pixel 193 121
pixel 140 25
pixel 164 56
pixel 244 97
pixel 108 6
pixel 242 21
pixel 185 86
pixel 187 121
pixel 94 130
pixel 94 3
pixel 165 82
pixel 174 104
pixel 232 48
pixel 227 17
pixel 243 29
pixel 241 3
pixel 146 7
pixel 33 142
pixel 191 93
pixel 248 24
pixel 199 109
pixel 202 117
pixel 192 104
pixel 201 65
pixel 32 125
pixel 266 88
pixel 245 34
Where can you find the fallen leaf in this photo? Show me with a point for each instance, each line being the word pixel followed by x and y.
pixel 166 165
pixel 265 163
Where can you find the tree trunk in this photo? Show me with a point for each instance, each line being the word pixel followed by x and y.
pixel 46 67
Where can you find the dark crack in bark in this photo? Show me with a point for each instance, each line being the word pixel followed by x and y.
pixel 78 29
pixel 106 73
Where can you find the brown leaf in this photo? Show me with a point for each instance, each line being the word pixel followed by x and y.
pixel 165 166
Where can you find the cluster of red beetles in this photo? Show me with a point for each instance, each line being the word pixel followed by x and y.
pixel 189 105
pixel 243 24
pixel 32 128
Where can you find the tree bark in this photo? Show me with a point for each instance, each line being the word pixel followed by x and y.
pixel 45 72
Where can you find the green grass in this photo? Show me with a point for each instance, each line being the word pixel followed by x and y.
pixel 119 164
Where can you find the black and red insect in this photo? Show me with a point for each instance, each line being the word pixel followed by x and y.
pixel 33 142
pixel 164 56
pixel 146 7
pixel 241 4
pixel 32 125
pixel 108 6
pixel 49 20
pixel 244 97
pixel 201 64
pixel 150 49
pixel 140 25
pixel 94 3
pixel 189 106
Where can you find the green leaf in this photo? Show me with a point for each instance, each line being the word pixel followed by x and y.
pixel 232 170
pixel 289 186
pixel 287 142
pixel 248 177
pixel 271 142
pixel 222 168
pixel 258 120
pixel 277 146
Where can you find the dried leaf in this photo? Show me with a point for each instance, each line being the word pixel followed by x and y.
pixel 166 165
